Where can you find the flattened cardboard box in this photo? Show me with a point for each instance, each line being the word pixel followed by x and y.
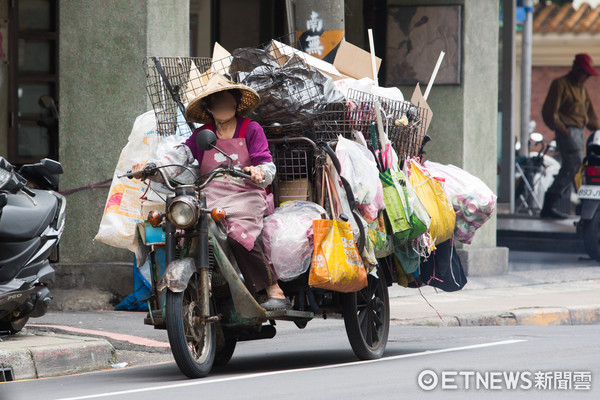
pixel 350 61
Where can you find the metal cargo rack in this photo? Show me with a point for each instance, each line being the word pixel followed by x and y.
pixel 404 122
pixel 295 159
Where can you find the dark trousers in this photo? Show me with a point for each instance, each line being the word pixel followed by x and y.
pixel 257 271
pixel 571 150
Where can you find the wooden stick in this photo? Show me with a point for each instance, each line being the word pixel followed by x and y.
pixel 373 59
pixel 433 75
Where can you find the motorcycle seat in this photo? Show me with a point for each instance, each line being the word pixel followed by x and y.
pixel 22 219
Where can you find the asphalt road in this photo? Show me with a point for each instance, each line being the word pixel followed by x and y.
pixel 317 363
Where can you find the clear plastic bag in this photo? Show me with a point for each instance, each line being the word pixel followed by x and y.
pixel 288 237
pixel 471 199
pixel 359 168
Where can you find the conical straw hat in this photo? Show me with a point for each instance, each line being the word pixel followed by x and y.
pixel 249 100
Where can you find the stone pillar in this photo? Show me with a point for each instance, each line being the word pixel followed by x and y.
pixel 464 126
pixel 102 91
pixel 4 4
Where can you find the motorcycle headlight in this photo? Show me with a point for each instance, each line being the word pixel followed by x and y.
pixel 183 212
pixel 4 177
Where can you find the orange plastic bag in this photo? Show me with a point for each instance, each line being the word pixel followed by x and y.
pixel 336 264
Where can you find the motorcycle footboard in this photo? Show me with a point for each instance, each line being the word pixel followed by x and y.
pixel 289 315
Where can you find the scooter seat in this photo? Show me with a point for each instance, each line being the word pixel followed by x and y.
pixel 21 219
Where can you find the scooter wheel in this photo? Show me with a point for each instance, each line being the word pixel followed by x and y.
pixel 591 236
pixel 13 326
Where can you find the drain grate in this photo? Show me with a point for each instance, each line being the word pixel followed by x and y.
pixel 6 374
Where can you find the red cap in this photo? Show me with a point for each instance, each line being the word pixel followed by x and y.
pixel 584 61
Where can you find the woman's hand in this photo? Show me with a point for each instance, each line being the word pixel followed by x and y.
pixel 258 175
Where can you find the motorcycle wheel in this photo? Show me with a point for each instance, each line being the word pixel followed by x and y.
pixel 591 236
pixel 193 345
pixel 367 318
pixel 13 326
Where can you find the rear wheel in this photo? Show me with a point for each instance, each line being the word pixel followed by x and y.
pixel 591 236
pixel 367 318
pixel 193 341
pixel 13 326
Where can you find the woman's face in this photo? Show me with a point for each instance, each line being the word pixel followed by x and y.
pixel 223 107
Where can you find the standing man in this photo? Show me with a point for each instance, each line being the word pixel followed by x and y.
pixel 568 110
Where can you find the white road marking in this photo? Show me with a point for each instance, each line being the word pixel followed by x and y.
pixel 288 371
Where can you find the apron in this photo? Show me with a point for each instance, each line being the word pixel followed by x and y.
pixel 243 201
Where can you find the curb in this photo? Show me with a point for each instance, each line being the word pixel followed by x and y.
pixel 540 316
pixel 31 356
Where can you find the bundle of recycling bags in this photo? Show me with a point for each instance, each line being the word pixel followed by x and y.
pixel 472 200
pixel 287 237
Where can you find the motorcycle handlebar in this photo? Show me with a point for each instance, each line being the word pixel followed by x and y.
pixel 152 169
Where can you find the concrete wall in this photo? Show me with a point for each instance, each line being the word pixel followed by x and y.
pixel 102 90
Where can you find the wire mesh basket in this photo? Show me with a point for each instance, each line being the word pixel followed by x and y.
pixel 332 120
pixel 404 122
pixel 295 164
pixel 179 72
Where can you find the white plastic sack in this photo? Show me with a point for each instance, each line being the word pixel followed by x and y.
pixel 122 210
pixel 368 85
pixel 359 168
pixel 471 199
pixel 287 237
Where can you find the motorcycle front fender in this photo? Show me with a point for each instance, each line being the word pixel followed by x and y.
pixel 177 275
pixel 589 209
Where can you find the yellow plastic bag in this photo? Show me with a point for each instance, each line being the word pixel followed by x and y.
pixel 431 194
pixel 336 264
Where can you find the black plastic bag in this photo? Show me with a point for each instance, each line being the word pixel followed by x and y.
pixel 289 93
pixel 443 269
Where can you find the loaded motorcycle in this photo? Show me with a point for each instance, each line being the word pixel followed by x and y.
pixel 31 225
pixel 202 301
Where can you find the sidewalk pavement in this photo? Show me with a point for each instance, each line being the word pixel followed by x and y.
pixel 30 356
pixel 540 289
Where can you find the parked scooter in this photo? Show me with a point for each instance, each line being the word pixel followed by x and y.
pixel 589 194
pixel 534 175
pixel 31 225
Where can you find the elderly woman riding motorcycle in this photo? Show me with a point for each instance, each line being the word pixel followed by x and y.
pixel 221 107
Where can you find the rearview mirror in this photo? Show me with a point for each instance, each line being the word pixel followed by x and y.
pixel 53 167
pixel 206 139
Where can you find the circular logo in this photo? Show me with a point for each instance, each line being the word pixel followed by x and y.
pixel 427 379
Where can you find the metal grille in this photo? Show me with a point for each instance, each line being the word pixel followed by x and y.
pixel 6 374
pixel 294 172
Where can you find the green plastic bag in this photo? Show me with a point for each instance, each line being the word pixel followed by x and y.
pixel 404 222
pixel 408 257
